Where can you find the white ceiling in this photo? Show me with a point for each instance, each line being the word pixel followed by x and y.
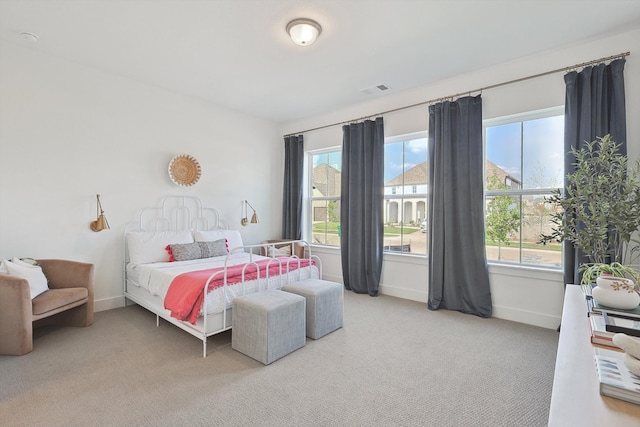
pixel 236 54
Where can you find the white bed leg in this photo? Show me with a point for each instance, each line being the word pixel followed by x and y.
pixel 157 320
pixel 204 347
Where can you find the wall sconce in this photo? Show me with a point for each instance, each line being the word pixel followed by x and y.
pixel 101 223
pixel 254 217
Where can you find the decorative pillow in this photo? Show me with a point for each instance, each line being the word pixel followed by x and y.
pixel 216 248
pixel 197 250
pixel 149 246
pixel 275 252
pixel 234 239
pixel 32 274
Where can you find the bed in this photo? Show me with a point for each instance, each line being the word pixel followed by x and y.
pixel 184 265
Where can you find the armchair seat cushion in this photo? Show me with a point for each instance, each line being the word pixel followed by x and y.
pixel 58 299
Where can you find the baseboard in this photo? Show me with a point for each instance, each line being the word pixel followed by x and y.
pixel 332 278
pixel 528 317
pixel 500 312
pixel 392 291
pixel 108 303
pixel 506 313
pixel 396 291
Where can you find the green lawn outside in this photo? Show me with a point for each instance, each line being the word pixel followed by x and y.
pixel 390 231
pixel 332 228
pixel 328 227
pixel 528 245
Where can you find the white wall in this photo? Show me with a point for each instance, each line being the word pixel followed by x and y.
pixel 522 294
pixel 68 132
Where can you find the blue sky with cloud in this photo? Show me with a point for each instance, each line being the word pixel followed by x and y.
pixel 532 151
pixel 407 153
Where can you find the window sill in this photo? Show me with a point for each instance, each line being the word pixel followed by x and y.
pixel 407 258
pixel 525 271
pixel 418 259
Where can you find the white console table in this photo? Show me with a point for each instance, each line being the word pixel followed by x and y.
pixel 575 399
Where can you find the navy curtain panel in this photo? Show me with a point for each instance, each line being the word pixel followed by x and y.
pixel 362 193
pixel 458 274
pixel 594 107
pixel 292 189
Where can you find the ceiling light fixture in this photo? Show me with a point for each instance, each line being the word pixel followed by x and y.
pixel 303 31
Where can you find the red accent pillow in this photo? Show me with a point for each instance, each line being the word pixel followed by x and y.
pixel 171 258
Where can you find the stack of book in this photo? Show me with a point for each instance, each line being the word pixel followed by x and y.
pixel 595 307
pixel 606 322
pixel 615 379
pixel 622 325
pixel 599 333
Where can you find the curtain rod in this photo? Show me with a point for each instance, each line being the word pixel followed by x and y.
pixel 444 98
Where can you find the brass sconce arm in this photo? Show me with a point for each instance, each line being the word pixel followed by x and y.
pixel 101 222
pixel 245 220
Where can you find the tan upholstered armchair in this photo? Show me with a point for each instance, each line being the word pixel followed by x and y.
pixel 68 302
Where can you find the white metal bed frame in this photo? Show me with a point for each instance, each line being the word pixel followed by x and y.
pixel 177 213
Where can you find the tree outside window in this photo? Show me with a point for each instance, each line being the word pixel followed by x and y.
pixel 524 163
pixel 324 191
pixel 502 220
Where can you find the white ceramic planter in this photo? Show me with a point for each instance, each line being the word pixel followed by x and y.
pixel 615 283
pixel 616 293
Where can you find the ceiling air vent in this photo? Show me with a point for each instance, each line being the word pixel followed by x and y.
pixel 375 89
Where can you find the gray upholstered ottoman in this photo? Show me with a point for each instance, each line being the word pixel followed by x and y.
pixel 268 325
pixel 324 305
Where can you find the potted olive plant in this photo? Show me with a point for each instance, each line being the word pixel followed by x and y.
pixel 601 210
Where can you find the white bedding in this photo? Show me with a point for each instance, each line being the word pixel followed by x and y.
pixel 157 277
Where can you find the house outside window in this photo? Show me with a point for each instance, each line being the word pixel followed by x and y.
pixel 324 196
pixel 405 194
pixel 524 163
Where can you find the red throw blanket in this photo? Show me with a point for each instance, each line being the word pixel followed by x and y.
pixel 186 292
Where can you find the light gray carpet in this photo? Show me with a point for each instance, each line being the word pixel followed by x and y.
pixel 394 363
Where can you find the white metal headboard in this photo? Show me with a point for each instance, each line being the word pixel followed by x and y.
pixel 174 213
pixel 177 213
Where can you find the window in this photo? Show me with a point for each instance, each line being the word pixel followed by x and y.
pixel 405 194
pixel 324 197
pixel 524 163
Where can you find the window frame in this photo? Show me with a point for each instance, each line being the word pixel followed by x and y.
pixel 522 192
pixel 408 194
pixel 308 233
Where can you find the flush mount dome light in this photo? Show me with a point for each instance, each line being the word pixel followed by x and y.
pixel 303 31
